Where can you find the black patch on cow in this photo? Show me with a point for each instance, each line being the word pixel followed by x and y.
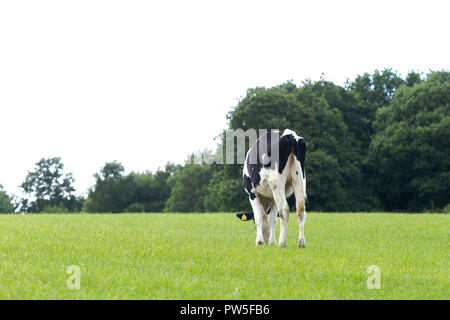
pixel 286 146
pixel 245 216
pixel 268 209
pixel 247 184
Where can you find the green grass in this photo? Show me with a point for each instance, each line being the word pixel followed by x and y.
pixel 213 256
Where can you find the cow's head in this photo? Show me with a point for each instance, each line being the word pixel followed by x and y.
pixel 245 216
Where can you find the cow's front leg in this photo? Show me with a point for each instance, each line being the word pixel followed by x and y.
pixel 258 216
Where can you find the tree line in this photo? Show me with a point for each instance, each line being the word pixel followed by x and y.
pixel 378 143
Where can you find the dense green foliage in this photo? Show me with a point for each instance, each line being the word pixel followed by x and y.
pixel 135 192
pixel 411 147
pixel 213 256
pixel 189 189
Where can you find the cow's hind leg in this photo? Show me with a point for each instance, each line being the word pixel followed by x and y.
pixel 258 213
pixel 298 186
pixel 301 218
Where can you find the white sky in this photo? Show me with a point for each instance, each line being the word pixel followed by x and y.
pixel 145 82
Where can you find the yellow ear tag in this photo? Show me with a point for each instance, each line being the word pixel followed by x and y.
pixel 244 217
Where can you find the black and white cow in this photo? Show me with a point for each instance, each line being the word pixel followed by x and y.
pixel 274 168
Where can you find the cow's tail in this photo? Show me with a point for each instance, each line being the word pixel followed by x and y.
pixel 300 153
pixel 299 147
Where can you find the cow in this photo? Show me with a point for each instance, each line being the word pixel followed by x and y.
pixel 274 169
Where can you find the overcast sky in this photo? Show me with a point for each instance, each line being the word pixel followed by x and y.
pixel 146 82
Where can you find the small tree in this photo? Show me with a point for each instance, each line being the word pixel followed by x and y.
pixel 48 187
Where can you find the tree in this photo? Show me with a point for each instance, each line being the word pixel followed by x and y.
pixel 410 149
pixel 224 191
pixel 109 191
pixel 377 90
pixel 6 205
pixel 151 191
pixel 189 189
pixel 110 172
pixel 48 187
pixel 135 192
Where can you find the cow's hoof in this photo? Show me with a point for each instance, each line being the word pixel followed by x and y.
pixel 259 242
pixel 272 243
pixel 301 243
pixel 282 244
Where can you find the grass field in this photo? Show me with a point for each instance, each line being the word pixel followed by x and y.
pixel 213 256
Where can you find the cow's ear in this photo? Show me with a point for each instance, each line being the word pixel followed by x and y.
pixel 245 216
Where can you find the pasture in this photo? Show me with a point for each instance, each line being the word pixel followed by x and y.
pixel 213 256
